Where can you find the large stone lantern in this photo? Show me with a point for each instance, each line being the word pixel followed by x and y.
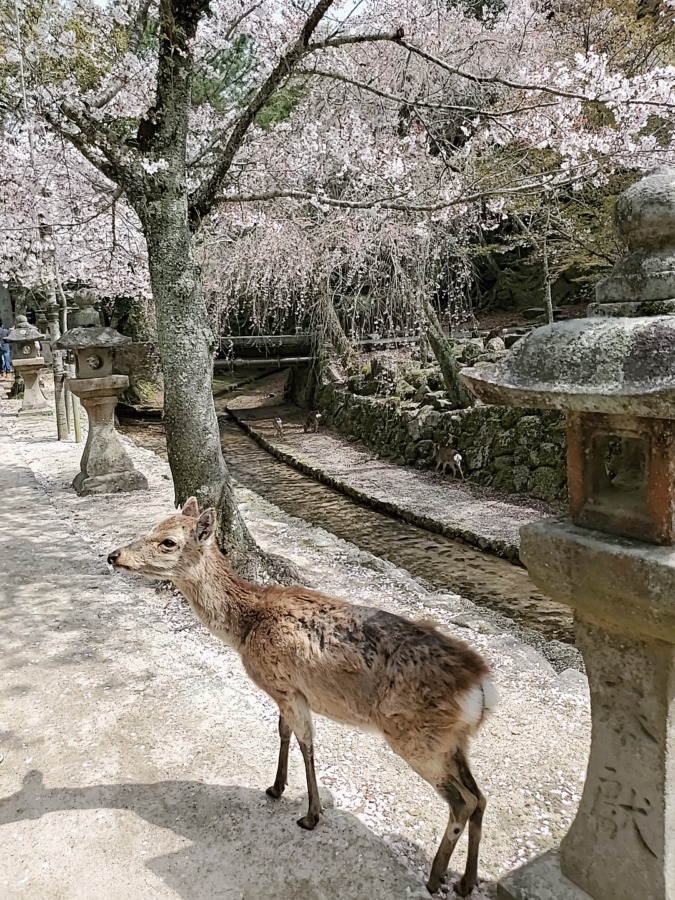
pixel 613 562
pixel 105 466
pixel 27 360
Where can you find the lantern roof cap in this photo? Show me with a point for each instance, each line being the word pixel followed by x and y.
pixel 94 336
pixel 620 366
pixel 24 331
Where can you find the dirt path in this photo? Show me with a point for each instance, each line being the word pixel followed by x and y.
pixel 135 752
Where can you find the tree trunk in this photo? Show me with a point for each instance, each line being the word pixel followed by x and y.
pixel 185 345
pixel 183 335
pixel 457 393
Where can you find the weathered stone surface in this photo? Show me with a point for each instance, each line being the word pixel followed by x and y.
pixel 34 401
pixel 105 466
pixel 645 219
pixel 490 439
pixel 592 365
pixel 616 380
pixel 628 803
pixel 545 483
pixel 540 879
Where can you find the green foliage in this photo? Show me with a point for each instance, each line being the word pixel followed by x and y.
pixel 479 9
pixel 227 83
pixel 280 106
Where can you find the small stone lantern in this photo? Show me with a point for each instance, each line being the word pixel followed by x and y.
pixel 27 361
pixel 105 466
pixel 613 562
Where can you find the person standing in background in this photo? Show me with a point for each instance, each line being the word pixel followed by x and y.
pixel 5 360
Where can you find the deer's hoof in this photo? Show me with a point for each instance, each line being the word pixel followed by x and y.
pixel 309 822
pixel 274 792
pixel 464 886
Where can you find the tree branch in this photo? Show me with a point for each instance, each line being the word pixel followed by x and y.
pixel 135 35
pixel 390 204
pixel 202 199
pixel 517 85
pixel 441 107
pixel 86 147
pixel 395 36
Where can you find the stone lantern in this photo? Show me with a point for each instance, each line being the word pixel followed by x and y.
pixel 643 283
pixel 27 361
pixel 613 562
pixel 105 466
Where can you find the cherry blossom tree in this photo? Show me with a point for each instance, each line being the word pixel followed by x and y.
pixel 198 123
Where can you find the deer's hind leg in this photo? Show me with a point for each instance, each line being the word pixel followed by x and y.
pixel 466 804
pixel 281 779
pixel 470 878
pixel 299 719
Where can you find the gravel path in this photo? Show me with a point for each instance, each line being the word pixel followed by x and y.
pixel 136 752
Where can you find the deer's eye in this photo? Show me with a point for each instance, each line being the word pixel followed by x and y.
pixel 168 544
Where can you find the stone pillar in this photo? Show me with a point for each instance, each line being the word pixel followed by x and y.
pixel 642 283
pixel 105 466
pixel 613 562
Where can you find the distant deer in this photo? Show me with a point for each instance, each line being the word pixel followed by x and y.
pixel 425 692
pixel 448 456
pixel 278 426
pixel 312 422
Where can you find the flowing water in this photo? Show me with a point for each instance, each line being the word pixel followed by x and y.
pixel 443 563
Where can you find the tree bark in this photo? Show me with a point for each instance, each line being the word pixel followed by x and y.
pixel 184 337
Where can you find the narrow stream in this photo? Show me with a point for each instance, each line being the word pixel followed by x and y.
pixel 443 563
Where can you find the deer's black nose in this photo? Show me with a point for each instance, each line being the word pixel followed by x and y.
pixel 113 557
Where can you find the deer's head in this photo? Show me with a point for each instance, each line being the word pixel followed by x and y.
pixel 173 549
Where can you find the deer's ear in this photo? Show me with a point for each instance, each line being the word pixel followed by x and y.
pixel 206 526
pixel 191 508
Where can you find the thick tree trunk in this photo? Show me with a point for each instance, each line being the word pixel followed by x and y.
pixel 183 334
pixel 185 345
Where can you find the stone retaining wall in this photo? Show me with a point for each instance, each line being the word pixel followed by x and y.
pixel 511 450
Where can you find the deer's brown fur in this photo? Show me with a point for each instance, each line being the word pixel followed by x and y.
pixel 448 456
pixel 424 691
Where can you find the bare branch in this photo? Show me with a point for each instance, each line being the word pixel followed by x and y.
pixel 204 197
pixel 86 147
pixel 322 200
pixel 395 36
pixel 441 107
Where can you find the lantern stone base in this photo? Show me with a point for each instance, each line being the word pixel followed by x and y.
pixel 621 846
pixel 34 401
pixel 540 879
pixel 105 466
pixel 118 482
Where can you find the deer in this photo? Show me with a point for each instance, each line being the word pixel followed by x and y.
pixel 312 422
pixel 448 456
pixel 278 426
pixel 426 693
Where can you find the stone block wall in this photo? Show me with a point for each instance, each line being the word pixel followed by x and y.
pixel 514 451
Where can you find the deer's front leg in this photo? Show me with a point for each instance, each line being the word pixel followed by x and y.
pixel 281 779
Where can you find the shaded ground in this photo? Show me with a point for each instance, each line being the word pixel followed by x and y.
pixel 135 752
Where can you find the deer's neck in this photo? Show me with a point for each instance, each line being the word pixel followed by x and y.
pixel 220 600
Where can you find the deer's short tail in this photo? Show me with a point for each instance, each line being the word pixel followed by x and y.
pixel 476 703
